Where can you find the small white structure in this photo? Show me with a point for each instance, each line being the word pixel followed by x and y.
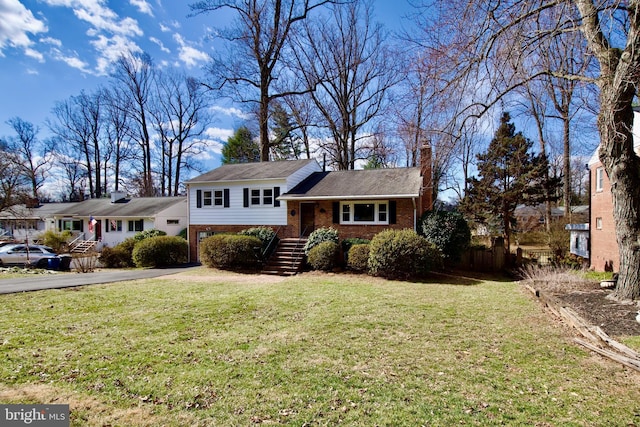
pixel 579 239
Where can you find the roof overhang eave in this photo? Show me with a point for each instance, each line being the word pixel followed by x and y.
pixel 360 197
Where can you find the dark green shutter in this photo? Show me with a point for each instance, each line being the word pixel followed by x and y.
pixel 199 199
pixel 392 212
pixel 245 192
pixel 276 194
pixel 226 197
pixel 336 212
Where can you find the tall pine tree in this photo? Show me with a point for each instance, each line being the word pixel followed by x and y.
pixel 509 174
pixel 241 148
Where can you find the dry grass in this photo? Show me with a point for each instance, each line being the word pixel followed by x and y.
pixel 225 349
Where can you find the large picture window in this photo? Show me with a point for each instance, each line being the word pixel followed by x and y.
pixel 364 213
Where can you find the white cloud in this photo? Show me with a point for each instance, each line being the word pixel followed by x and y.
pixel 160 44
pixel 16 24
pixel 111 49
pixel 111 35
pixel 189 55
pixel 51 41
pixel 219 134
pixel 230 111
pixel 142 6
pixel 72 61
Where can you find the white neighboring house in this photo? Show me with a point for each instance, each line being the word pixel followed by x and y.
pixel 29 222
pixel 111 221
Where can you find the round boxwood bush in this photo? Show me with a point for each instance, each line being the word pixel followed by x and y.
pixel 324 234
pixel 358 257
pixel 323 256
pixel 160 251
pixel 402 254
pixel 231 252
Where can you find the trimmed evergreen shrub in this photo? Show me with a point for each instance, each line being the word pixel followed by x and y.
pixel 323 256
pixel 320 235
pixel 230 252
pixel 148 234
pixel 358 257
pixel 160 251
pixel 56 241
pixel 349 242
pixel 402 254
pixel 265 234
pixel 449 231
pixel 120 256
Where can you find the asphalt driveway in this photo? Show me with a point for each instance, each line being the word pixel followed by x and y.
pixel 69 280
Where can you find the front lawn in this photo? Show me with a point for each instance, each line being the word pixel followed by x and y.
pixel 213 348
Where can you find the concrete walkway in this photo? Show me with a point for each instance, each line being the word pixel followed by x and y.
pixel 68 280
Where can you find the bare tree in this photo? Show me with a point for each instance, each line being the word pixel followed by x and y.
pixel 74 174
pixel 133 83
pixel 180 118
pixel 493 31
pixel 351 68
pixel 14 186
pixel 78 122
pixel 32 155
pixel 256 43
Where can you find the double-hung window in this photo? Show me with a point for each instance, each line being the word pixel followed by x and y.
pixel 217 198
pixel 599 179
pixel 266 197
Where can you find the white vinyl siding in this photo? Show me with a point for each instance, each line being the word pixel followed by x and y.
pixel 263 212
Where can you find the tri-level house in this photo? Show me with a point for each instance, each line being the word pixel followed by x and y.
pixel 295 197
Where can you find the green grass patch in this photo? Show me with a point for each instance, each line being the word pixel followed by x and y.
pixel 212 348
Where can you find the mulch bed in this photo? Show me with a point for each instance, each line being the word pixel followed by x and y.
pixel 593 304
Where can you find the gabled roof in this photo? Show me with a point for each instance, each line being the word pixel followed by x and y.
pixel 252 171
pixel 358 184
pixel 134 207
pixel 43 211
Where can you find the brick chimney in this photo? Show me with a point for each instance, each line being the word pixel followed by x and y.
pixel 426 189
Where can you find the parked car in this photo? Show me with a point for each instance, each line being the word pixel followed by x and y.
pixel 21 254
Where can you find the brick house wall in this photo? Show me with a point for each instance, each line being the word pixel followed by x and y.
pixel 604 247
pixel 324 218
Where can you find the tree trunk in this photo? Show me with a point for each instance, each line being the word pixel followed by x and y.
pixel 623 169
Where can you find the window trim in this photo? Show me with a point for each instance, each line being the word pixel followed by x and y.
pixel 351 210
pixel 599 178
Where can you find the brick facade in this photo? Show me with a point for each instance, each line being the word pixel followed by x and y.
pixel 604 247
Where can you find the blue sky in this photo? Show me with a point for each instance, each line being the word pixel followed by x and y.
pixel 53 49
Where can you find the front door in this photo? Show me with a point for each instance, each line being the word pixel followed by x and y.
pixel 307 218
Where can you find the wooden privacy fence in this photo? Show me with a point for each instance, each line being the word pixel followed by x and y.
pixel 482 259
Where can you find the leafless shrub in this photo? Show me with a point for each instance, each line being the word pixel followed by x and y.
pixel 85 263
pixel 552 278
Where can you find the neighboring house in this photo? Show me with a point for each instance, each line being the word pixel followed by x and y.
pixel 603 244
pixel 30 221
pixel 111 221
pixel 295 197
pixel 532 218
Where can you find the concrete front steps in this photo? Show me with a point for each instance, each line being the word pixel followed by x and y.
pixel 288 258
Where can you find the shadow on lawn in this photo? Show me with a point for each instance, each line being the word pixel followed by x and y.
pixel 464 278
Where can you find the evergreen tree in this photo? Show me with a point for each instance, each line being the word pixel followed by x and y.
pixel 241 148
pixel 285 144
pixel 509 175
